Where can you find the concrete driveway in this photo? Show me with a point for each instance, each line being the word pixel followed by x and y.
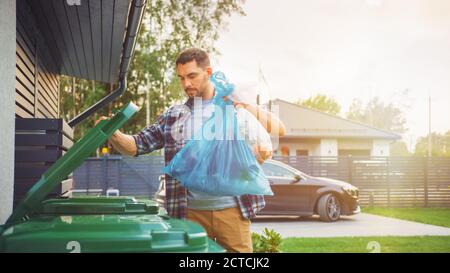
pixel 362 224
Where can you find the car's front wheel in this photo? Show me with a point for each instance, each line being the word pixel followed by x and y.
pixel 329 208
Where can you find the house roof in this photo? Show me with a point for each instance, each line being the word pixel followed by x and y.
pixel 86 40
pixel 304 122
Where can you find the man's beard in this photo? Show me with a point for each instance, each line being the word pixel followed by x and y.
pixel 194 93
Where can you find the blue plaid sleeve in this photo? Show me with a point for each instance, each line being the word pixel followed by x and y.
pixel 151 137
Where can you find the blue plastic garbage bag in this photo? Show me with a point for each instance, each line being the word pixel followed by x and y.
pixel 217 160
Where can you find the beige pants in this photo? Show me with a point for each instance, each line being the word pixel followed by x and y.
pixel 227 227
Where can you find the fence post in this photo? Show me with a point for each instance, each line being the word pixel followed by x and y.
pixel 388 181
pixel 350 168
pixel 88 171
pixel 425 180
pixel 371 201
pixel 119 182
pixel 105 173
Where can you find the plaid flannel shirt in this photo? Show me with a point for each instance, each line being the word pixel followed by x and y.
pixel 160 135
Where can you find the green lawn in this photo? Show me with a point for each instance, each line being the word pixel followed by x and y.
pixel 433 216
pixel 388 244
pixel 392 244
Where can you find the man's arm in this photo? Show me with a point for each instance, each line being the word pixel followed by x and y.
pixel 149 139
pixel 123 143
pixel 271 123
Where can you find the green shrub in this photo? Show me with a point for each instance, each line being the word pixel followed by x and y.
pixel 268 242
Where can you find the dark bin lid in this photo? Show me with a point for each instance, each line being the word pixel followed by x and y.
pixel 71 160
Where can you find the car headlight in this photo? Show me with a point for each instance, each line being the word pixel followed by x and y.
pixel 352 191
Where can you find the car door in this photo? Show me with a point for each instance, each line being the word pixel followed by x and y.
pixel 291 196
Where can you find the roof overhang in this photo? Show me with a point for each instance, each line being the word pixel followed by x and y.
pixel 88 38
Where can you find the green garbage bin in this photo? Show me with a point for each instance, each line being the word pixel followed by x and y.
pixel 96 224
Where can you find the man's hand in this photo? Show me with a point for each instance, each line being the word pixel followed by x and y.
pixel 262 153
pixel 105 118
pixel 100 119
pixel 123 143
pixel 236 104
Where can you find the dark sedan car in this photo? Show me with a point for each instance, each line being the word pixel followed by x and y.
pixel 296 193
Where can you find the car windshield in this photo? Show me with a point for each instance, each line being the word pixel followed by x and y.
pixel 278 170
pixel 272 168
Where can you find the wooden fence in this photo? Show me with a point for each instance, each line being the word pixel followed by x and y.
pixel 385 181
pixel 382 181
pixel 133 176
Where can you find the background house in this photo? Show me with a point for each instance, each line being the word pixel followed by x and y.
pixel 313 133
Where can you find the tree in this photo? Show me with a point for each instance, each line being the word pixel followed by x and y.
pixel 399 148
pixel 322 103
pixel 378 114
pixel 76 96
pixel 168 27
pixel 440 145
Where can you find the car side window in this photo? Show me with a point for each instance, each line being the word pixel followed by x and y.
pixel 277 171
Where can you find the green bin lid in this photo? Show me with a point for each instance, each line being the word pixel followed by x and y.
pixel 71 160
pixel 98 205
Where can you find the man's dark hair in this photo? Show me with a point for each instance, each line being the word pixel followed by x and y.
pixel 194 54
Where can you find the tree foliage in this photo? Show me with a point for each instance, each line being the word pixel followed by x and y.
pixel 322 103
pixel 399 148
pixel 168 27
pixel 378 114
pixel 440 145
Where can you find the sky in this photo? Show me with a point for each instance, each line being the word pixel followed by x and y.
pixel 398 50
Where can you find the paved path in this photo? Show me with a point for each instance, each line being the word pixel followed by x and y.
pixel 362 224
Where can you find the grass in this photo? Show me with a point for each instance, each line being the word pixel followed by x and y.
pixel 388 244
pixel 432 216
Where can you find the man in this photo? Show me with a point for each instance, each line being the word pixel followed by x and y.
pixel 225 218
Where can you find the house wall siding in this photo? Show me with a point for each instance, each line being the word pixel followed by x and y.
pixel 37 146
pixel 321 147
pixel 355 144
pixel 37 83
